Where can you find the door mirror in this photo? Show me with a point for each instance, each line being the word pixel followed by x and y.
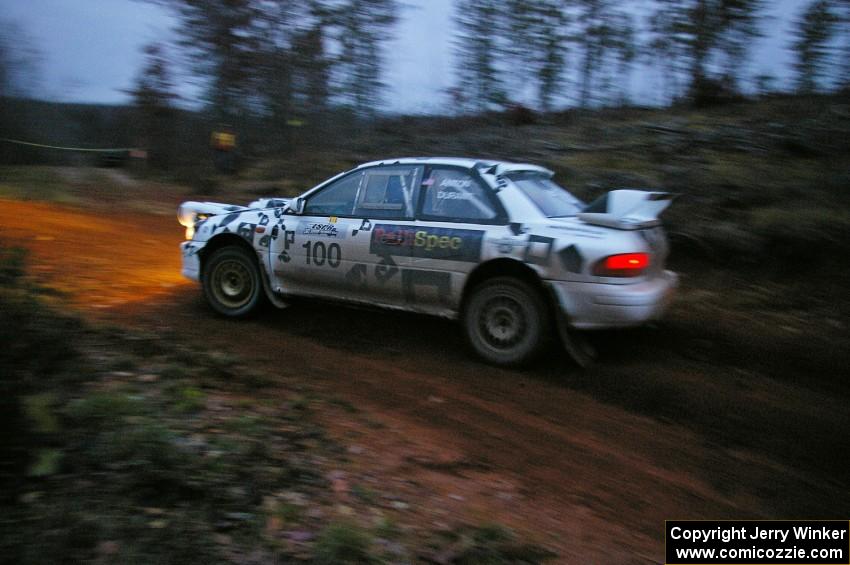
pixel 296 206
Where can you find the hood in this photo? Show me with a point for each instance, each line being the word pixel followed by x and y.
pixel 191 212
pixel 627 209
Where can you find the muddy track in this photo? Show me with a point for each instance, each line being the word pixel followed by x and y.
pixel 587 463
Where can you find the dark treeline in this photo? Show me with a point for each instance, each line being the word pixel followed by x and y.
pixel 583 52
pixel 282 61
pixel 274 70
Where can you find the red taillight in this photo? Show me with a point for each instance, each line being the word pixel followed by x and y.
pixel 622 265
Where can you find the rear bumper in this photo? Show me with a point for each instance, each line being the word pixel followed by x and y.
pixel 191 260
pixel 598 306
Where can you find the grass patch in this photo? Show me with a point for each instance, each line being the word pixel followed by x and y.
pixel 189 399
pixel 364 493
pixel 345 405
pixel 87 449
pixel 343 542
pixel 34 183
pixel 490 543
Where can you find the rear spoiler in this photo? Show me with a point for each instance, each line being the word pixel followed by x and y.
pixel 627 209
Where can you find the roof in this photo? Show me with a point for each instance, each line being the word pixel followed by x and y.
pixel 502 166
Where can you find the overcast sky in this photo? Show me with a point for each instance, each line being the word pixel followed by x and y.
pixel 92 49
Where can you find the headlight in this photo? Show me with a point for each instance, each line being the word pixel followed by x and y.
pixel 189 219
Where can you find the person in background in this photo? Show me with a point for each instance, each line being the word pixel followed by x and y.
pixel 223 143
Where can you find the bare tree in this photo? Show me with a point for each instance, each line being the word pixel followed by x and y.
pixel 19 61
pixel 18 78
pixel 154 98
pixel 311 69
pixel 606 36
pixel 663 49
pixel 701 34
pixel 738 24
pixel 812 35
pixel 843 10
pixel 477 52
pixel 362 27
pixel 535 35
pixel 221 40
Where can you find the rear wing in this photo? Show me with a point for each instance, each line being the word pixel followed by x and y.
pixel 627 209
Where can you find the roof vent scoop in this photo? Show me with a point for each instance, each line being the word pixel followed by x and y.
pixel 627 209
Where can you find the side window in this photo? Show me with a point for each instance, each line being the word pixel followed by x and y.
pixel 454 194
pixel 388 192
pixel 336 199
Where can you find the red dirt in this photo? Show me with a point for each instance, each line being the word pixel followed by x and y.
pixel 590 465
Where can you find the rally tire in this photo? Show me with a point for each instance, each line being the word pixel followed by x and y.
pixel 506 321
pixel 231 281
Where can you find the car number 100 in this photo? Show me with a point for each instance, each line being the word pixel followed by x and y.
pixel 319 253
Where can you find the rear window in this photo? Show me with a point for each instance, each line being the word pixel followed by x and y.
pixel 553 200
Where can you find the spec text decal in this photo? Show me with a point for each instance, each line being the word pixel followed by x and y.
pixel 426 242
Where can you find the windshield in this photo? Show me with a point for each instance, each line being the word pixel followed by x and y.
pixel 553 200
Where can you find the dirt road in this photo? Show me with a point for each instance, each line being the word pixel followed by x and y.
pixel 690 420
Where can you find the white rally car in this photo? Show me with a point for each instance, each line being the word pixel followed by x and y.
pixel 498 245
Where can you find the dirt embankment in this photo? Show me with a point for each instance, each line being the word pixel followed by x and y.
pixel 686 421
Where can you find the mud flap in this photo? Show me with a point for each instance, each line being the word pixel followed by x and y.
pixel 575 344
pixel 276 301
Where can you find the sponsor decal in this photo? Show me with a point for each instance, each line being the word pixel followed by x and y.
pixel 506 245
pixel 427 242
pixel 318 229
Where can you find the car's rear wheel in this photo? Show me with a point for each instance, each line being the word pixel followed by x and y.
pixel 231 281
pixel 506 321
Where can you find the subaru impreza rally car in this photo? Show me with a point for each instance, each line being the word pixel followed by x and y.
pixel 499 246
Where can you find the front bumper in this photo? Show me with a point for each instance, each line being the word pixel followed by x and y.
pixel 599 306
pixel 191 260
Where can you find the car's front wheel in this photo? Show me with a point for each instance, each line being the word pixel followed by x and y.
pixel 231 281
pixel 506 321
